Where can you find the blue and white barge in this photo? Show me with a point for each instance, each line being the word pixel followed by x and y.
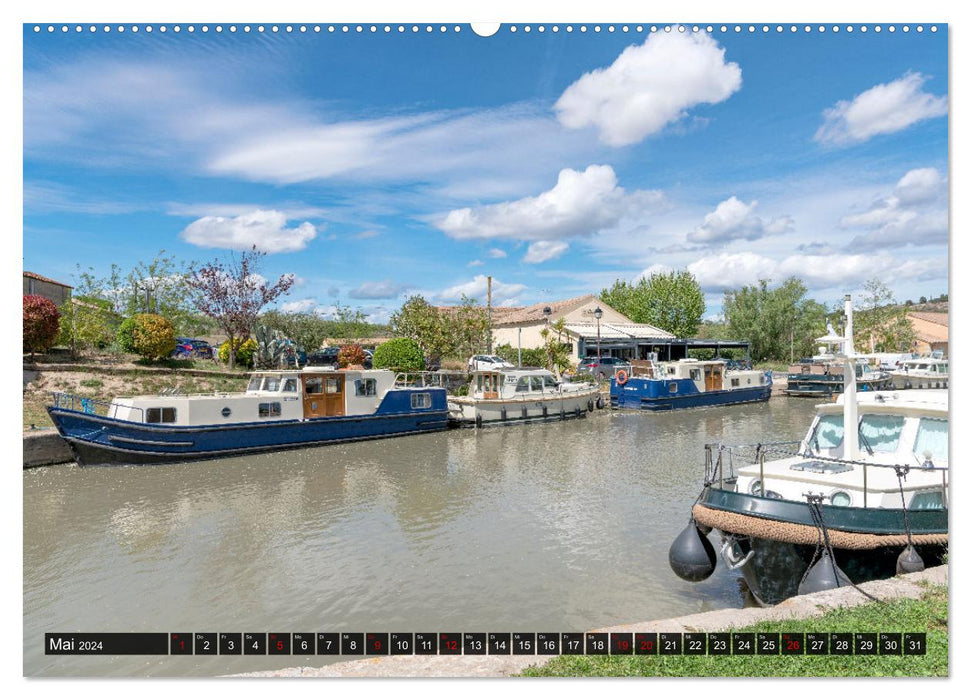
pixel 688 383
pixel 278 410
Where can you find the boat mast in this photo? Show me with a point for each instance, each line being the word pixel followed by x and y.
pixel 851 437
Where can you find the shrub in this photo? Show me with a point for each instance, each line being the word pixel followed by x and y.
pixel 401 354
pixel 532 357
pixel 149 335
pixel 352 354
pixel 40 323
pixel 244 353
pixel 86 323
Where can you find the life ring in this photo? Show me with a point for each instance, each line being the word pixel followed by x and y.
pixel 621 377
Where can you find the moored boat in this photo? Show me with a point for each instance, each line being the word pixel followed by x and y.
pixel 687 383
pixel 278 410
pixel 864 495
pixel 822 377
pixel 921 373
pixel 521 396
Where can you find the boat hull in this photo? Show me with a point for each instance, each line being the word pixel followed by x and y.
pixel 637 398
pixel 828 386
pixel 777 539
pixel 478 413
pixel 916 381
pixel 101 440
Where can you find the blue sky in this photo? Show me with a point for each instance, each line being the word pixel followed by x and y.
pixel 378 165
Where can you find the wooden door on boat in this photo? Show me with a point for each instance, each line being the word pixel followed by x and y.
pixel 333 395
pixel 713 377
pixel 313 396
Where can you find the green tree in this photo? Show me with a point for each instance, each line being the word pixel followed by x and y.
pixel 424 324
pixel 87 323
pixel 780 323
pixel 671 301
pixel 557 352
pixel 399 354
pixel 350 325
pixel 468 327
pixel 879 323
pixel 307 330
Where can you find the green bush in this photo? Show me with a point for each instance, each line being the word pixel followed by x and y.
pixel 40 323
pixel 244 353
pixel 532 357
pixel 149 335
pixel 400 354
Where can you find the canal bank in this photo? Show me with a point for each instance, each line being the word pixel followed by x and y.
pixel 908 587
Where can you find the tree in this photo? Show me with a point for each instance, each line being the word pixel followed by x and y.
pixel 557 352
pixel 671 301
pixel 879 324
pixel 40 323
pixel 307 330
pixel 780 324
pixel 148 335
pixel 350 325
pixel 468 328
pixel 86 323
pixel 245 353
pixel 424 324
pixel 399 354
pixel 233 294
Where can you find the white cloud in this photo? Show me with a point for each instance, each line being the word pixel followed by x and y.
pixel 733 220
pixel 264 229
pixel 580 203
pixel 229 209
pixel 497 253
pixel 475 263
pixel 649 86
pixel 502 294
pixel 883 109
pixel 299 306
pixel 385 289
pixel 910 216
pixel 732 270
pixel 363 235
pixel 541 251
pixel 919 186
pixel 656 269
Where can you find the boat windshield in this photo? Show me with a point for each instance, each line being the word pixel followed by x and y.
pixel 881 433
pixel 254 383
pixel 828 434
pixel 271 382
pixel 931 440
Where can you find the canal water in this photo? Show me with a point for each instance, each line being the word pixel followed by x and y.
pixel 552 527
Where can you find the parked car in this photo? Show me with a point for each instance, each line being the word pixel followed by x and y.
pixel 369 359
pixel 479 362
pixel 603 367
pixel 202 349
pixel 192 347
pixel 323 358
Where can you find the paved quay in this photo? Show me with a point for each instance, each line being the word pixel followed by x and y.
pixel 797 608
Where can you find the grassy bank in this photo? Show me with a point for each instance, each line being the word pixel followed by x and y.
pixel 105 386
pixel 927 614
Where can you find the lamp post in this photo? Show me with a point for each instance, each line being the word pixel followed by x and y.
pixel 547 312
pixel 597 314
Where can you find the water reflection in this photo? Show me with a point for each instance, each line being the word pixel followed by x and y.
pixel 563 526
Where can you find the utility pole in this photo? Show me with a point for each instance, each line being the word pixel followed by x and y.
pixel 489 312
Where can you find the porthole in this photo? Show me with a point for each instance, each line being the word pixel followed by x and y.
pixel 840 498
pixel 227 412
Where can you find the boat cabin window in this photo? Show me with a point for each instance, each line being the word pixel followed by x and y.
pixel 290 385
pixel 271 382
pixel 270 410
pixel 421 400
pixel 549 381
pixel 880 433
pixel 696 375
pixel 536 383
pixel 332 385
pixel 365 387
pixel 314 385
pixel 828 434
pixel 522 384
pixel 932 438
pixel 254 383
pixel 160 415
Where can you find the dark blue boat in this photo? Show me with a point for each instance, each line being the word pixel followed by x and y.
pixel 280 410
pixel 688 384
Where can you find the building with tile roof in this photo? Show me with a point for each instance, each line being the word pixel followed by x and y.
pixel 58 292
pixel 931 329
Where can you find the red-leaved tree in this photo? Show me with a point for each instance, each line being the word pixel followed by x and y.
pixel 234 293
pixel 40 323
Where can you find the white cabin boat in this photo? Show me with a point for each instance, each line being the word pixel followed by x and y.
pixel 921 373
pixel 521 395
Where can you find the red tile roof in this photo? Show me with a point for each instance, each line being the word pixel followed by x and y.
pixel 35 276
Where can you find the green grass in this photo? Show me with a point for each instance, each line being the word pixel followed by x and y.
pixel 929 614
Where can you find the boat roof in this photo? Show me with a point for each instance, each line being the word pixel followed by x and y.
pixel 318 370
pixel 916 400
pixel 516 371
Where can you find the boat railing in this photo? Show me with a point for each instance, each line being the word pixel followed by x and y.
pixel 716 465
pixel 84 404
pixel 440 379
